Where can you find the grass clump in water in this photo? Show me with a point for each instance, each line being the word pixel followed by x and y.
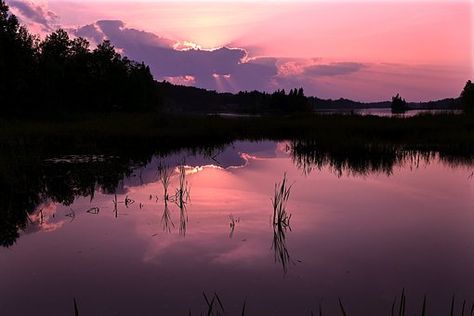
pixel 281 218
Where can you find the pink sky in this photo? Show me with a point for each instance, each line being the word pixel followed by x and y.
pixel 365 50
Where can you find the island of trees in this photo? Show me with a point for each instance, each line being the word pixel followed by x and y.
pixel 399 105
pixel 467 98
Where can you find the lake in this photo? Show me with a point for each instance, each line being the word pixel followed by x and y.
pixel 387 112
pixel 360 231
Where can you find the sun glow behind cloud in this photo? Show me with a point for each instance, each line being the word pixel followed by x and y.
pixel 351 49
pixel 415 32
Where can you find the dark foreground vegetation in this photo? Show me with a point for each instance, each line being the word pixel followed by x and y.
pixel 216 307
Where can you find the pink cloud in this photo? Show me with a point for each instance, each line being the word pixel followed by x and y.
pixel 36 15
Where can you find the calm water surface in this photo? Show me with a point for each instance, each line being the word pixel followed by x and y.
pixel 387 112
pixel 358 237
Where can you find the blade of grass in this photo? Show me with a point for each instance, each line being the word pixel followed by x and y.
pixel 219 301
pixel 400 309
pixel 76 309
pixel 243 308
pixel 342 308
pixel 423 310
pixel 393 306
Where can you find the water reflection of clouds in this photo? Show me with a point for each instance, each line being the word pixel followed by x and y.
pixel 387 229
pixel 242 252
pixel 216 193
pixel 44 219
pixel 230 156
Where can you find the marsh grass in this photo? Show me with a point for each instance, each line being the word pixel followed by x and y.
pixel 93 210
pixel 128 201
pixel 281 222
pixel 214 305
pixel 76 308
pixel 166 221
pixel 164 174
pixel 115 202
pixel 423 308
pixel 183 220
pixel 280 249
pixel 181 197
pixel 343 311
pixel 452 306
pixel 182 194
pixel 281 217
pixel 232 221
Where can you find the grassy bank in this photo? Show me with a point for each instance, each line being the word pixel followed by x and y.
pixel 445 133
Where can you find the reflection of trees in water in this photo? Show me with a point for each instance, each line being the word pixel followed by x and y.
pixel 28 180
pixel 362 160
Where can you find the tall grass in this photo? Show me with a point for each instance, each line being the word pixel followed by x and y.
pixel 166 221
pixel 281 222
pixel 115 210
pixel 164 174
pixel 76 308
pixel 281 217
pixel 183 220
pixel 182 192
pixel 281 253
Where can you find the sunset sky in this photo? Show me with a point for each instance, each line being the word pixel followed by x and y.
pixel 363 50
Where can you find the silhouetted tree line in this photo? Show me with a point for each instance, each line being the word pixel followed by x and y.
pixel 191 99
pixel 60 74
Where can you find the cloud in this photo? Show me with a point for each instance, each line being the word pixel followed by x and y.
pixel 35 13
pixel 222 69
pixel 333 69
pixel 91 32
pixel 225 68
